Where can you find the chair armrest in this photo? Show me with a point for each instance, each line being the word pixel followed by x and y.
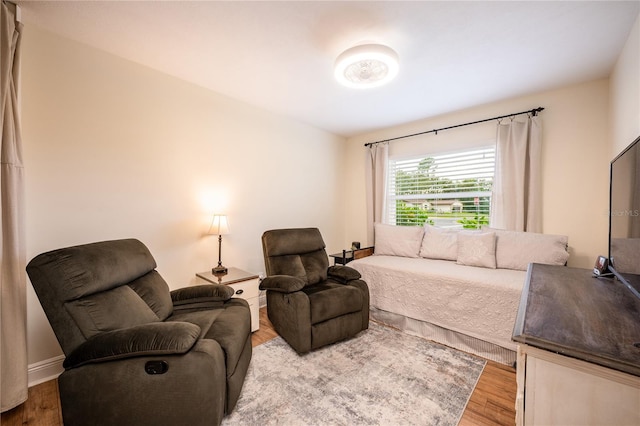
pixel 282 283
pixel 201 294
pixel 343 274
pixel 157 338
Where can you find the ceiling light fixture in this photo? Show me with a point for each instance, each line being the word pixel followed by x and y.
pixel 365 66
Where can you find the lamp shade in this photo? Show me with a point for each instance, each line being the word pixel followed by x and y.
pixel 219 225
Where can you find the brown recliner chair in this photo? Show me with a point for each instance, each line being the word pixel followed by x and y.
pixel 136 353
pixel 309 303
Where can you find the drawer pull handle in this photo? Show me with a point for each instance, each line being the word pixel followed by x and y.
pixel 240 291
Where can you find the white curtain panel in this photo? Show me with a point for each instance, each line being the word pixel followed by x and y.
pixel 377 159
pixel 635 224
pixel 13 299
pixel 516 198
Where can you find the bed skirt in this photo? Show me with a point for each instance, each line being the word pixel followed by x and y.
pixel 446 337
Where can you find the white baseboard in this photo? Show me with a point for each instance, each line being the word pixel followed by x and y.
pixel 43 371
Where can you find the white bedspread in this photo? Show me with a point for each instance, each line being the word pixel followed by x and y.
pixel 478 302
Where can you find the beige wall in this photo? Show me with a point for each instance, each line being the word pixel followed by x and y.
pixel 115 150
pixel 625 94
pixel 575 158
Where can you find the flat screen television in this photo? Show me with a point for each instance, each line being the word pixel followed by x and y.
pixel 624 217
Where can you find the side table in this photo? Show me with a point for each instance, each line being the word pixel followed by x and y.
pixel 245 286
pixel 348 255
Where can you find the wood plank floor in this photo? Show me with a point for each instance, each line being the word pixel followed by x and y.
pixel 492 402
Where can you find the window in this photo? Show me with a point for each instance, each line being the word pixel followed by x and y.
pixel 450 190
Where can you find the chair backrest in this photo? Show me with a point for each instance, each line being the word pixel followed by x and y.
pixel 298 252
pixel 92 288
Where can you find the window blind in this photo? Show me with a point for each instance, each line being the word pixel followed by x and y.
pixel 451 190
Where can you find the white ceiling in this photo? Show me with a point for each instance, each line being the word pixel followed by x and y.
pixel 279 55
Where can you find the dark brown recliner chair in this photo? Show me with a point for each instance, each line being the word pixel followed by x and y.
pixel 309 303
pixel 136 353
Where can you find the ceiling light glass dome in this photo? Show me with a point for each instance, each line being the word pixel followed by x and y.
pixel 367 65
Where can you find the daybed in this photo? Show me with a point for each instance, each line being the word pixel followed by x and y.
pixel 456 287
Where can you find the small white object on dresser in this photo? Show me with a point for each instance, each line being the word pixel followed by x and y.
pixel 245 286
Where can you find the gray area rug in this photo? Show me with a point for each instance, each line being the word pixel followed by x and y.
pixel 380 377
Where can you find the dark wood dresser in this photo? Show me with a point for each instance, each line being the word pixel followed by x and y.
pixel 578 349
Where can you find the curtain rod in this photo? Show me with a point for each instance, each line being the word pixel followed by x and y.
pixel 533 112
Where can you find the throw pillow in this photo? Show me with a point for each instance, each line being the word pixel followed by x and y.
pixel 394 240
pixel 516 249
pixel 439 243
pixel 477 249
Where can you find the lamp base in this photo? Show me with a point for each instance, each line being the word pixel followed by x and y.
pixel 219 270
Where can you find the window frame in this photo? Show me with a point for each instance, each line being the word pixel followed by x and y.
pixel 481 197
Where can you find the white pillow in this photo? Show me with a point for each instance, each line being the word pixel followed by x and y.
pixel 477 249
pixel 439 243
pixel 516 249
pixel 398 240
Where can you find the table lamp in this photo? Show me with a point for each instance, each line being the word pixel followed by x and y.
pixel 219 226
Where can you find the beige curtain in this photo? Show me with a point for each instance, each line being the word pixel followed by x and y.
pixel 635 203
pixel 516 198
pixel 13 299
pixel 377 157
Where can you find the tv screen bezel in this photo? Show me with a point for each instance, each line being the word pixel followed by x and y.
pixel 619 275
